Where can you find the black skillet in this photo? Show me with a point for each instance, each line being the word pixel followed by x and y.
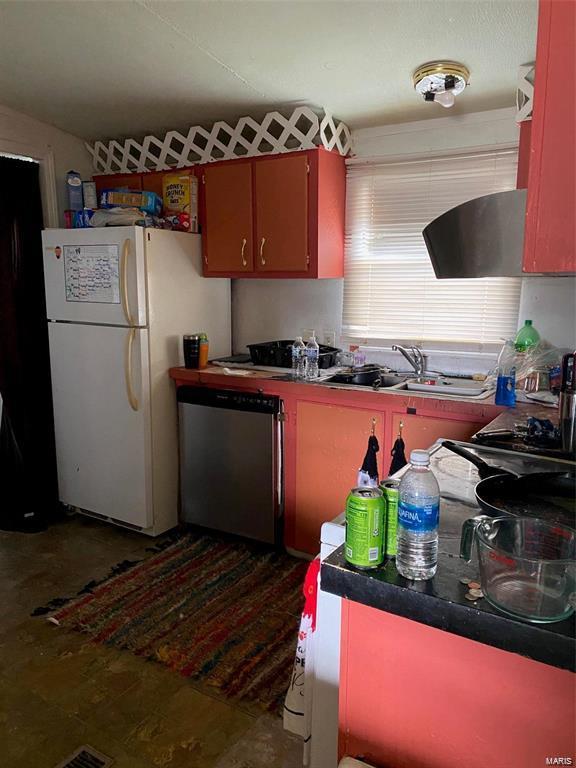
pixel 367 375
pixel 548 495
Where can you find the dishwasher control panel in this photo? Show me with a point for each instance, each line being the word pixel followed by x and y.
pixel 226 398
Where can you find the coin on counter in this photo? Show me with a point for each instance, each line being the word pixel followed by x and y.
pixel 476 592
pixel 465 581
pixel 473 585
pixel 470 596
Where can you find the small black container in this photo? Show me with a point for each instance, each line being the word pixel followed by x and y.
pixel 191 346
pixel 279 354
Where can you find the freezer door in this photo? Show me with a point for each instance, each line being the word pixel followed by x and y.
pixel 95 275
pixel 102 420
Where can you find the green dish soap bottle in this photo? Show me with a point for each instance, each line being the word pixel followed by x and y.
pixel 526 337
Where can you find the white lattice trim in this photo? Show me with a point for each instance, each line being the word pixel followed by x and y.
pixel 303 129
pixel 525 92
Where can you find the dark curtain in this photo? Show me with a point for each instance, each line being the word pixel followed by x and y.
pixel 28 480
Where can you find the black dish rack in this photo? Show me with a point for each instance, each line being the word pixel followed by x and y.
pixel 279 354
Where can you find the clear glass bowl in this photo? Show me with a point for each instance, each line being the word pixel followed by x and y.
pixel 527 566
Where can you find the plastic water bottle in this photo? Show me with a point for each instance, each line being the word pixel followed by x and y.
pixel 418 515
pixel 506 377
pixel 312 354
pixel 298 358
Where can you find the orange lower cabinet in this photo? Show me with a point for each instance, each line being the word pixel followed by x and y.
pixel 412 696
pixel 331 442
pixel 423 431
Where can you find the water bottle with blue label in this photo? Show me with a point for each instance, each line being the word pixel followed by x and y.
pixel 418 516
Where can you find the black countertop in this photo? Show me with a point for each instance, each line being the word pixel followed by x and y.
pixel 440 602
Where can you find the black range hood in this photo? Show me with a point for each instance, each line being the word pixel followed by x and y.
pixel 481 238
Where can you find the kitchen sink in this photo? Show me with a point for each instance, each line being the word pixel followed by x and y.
pixel 371 376
pixel 430 383
pixel 451 385
pixel 378 381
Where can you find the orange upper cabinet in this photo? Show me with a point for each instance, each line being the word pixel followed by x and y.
pixel 550 235
pixel 227 218
pixel 294 206
pixel 281 187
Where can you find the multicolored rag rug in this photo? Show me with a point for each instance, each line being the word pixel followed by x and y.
pixel 223 613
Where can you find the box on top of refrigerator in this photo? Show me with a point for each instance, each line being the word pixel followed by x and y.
pixel 180 197
pixel 74 187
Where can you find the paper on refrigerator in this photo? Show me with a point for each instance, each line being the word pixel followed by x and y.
pixel 91 273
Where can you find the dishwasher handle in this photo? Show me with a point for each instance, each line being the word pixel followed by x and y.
pixel 251 402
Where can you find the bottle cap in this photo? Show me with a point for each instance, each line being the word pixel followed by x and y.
pixel 421 458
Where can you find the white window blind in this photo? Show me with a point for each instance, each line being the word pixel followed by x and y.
pixel 390 290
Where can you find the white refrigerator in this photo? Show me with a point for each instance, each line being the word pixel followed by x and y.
pixel 118 301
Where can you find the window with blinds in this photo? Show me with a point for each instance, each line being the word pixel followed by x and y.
pixel 390 290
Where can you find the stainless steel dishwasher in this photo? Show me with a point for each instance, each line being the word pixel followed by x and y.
pixel 231 461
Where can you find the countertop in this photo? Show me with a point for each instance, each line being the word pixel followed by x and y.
pixel 497 416
pixel 440 602
pixel 249 377
pixel 518 415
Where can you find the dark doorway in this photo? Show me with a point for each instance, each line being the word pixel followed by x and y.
pixel 28 479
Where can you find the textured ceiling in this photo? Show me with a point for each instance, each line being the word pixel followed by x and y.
pixel 118 69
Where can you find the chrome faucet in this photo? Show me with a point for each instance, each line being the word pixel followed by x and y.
pixel 414 356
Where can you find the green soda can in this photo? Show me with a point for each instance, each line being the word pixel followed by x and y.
pixel 390 490
pixel 364 528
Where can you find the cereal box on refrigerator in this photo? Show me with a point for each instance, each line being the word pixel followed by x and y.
pixel 180 197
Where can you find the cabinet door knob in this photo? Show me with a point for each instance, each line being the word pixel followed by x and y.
pixel 262 259
pixel 244 262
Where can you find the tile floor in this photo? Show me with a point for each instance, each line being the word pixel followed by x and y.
pixel 58 691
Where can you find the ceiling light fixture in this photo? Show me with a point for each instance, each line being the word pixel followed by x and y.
pixel 441 81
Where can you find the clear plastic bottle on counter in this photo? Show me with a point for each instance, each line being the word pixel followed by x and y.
pixel 298 359
pixel 359 358
pixel 312 355
pixel 418 517
pixel 506 376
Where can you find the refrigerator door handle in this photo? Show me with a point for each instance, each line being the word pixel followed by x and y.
pixel 124 282
pixel 132 399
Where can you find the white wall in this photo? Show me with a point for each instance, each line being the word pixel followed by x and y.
pixel 273 309
pixel 550 302
pixel 266 310
pixel 494 128
pixel 22 135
